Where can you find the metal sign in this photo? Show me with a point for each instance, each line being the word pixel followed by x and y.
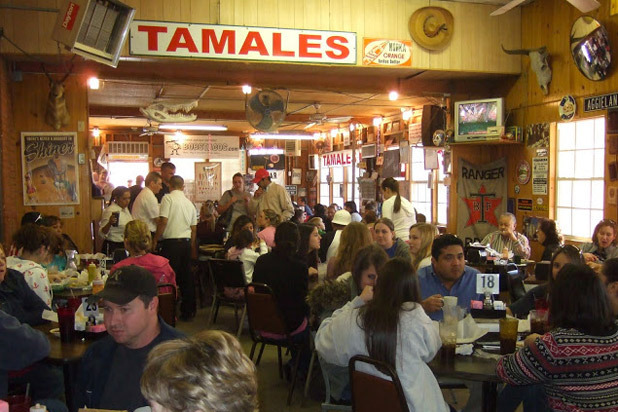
pixel 603 102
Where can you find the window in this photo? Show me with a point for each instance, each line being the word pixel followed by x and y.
pixel 580 166
pixel 429 195
pixel 121 172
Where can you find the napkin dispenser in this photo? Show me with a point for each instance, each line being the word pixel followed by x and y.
pixel 476 254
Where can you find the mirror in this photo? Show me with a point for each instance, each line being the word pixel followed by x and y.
pixel 590 48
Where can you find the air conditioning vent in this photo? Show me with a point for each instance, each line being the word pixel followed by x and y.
pixel 292 148
pixel 368 150
pixel 127 150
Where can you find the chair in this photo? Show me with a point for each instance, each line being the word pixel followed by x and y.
pixel 371 393
pixel 265 316
pixel 230 274
pixel 167 302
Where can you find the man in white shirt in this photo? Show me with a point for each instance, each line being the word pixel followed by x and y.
pixel 176 235
pixel 146 206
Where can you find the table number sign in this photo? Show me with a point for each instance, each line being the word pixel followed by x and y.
pixel 488 282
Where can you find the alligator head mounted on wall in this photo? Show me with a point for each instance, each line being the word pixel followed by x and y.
pixel 168 112
pixel 539 60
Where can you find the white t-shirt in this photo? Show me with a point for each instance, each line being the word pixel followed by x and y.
pixel 332 249
pixel 146 208
pixel 115 233
pixel 403 219
pixel 181 214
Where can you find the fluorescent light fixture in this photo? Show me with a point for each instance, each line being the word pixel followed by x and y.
pixel 93 83
pixel 246 89
pixel 204 127
pixel 265 151
pixel 282 136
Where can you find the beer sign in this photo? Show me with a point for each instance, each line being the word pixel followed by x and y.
pixel 384 52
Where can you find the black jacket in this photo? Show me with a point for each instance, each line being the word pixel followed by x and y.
pixel 18 300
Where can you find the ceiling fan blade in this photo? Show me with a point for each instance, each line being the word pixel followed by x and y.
pixel 256 105
pixel 507 7
pixel 340 119
pixel 585 6
pixel 277 106
pixel 265 124
pixel 310 125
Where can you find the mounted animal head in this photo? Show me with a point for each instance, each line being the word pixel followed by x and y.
pixel 56 114
pixel 170 112
pixel 539 60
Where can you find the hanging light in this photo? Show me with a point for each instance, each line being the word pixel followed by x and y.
pixel 393 95
pixel 246 89
pixel 96 132
pixel 352 127
pixel 94 83
pixel 377 121
pixel 406 114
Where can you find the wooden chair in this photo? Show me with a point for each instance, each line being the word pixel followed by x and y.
pixel 371 393
pixel 230 274
pixel 265 316
pixel 168 293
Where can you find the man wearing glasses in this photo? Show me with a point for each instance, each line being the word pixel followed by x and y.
pixel 507 237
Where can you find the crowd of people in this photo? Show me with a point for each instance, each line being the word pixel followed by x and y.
pixel 367 282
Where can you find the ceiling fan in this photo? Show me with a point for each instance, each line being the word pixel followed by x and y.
pixel 318 118
pixel 150 130
pixel 584 6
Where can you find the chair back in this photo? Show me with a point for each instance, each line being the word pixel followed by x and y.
pixel 263 311
pixel 227 273
pixel 372 393
pixel 542 270
pixel 167 302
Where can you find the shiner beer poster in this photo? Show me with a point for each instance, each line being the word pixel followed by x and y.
pixel 481 198
pixel 49 168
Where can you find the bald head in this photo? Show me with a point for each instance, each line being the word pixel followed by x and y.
pixel 177 182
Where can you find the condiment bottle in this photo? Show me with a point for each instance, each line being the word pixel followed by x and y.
pixel 505 253
pixel 92 272
pixel 97 286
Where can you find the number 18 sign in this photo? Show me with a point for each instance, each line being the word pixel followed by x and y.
pixel 488 282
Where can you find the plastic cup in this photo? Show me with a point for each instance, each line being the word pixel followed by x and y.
pixel 448 335
pixel 19 403
pixel 66 323
pixel 538 321
pixel 508 335
pixel 117 214
pixel 450 301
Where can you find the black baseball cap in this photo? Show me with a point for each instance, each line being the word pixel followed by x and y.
pixel 127 283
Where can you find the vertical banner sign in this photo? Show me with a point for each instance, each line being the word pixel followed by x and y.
pixel 207 181
pixel 482 192
pixel 50 174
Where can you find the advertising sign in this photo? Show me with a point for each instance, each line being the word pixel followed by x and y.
pixel 202 147
pixel 385 52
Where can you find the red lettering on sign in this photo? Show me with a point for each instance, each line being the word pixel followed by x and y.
pixel 304 45
pixel 337 43
pixel 259 46
pixel 152 31
pixel 277 47
pixel 182 38
pixel 227 37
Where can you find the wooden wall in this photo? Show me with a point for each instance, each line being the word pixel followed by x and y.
pixel 475 45
pixel 24 110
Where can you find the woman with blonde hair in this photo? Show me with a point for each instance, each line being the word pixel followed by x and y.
pixel 421 239
pixel 207 372
pixel 354 237
pixel 138 242
pixel 268 220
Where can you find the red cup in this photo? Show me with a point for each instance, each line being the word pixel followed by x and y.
pixel 19 403
pixel 541 304
pixel 66 323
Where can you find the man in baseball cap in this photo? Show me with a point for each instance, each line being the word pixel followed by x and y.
pixel 270 195
pixel 112 368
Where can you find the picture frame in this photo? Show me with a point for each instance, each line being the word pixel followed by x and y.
pixel 207 181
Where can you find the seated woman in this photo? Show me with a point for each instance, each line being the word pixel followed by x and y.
pixel 241 250
pixel 244 222
pixel 577 361
pixel 308 248
pixel 388 323
pixel 385 237
pixel 548 235
pixel 207 231
pixel 354 237
pixel 268 220
pixel 562 256
pixel 138 242
pixel 36 246
pixel 603 245
pixel 16 297
pixel 60 259
pixel 200 373
pixel 421 239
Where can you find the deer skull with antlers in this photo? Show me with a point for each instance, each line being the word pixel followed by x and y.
pixel 57 115
pixel 539 60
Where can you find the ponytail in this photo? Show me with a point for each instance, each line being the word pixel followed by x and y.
pixel 397 205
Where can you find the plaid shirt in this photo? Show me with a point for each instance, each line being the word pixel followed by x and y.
pixel 497 242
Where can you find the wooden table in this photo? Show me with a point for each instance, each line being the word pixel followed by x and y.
pixel 65 354
pixel 473 368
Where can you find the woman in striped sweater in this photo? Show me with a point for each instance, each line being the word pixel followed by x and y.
pixel 577 361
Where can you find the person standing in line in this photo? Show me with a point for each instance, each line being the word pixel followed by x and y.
pixel 105 186
pixel 176 232
pixel 114 219
pixel 271 195
pixel 168 169
pixel 146 206
pixel 398 209
pixel 135 190
pixel 235 198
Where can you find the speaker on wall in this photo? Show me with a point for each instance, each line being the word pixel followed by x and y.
pixel 434 118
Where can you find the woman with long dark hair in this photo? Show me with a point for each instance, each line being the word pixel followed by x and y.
pixel 548 235
pixel 388 323
pixel 308 247
pixel 577 361
pixel 114 219
pixel 397 208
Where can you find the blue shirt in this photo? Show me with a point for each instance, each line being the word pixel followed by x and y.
pixel 464 288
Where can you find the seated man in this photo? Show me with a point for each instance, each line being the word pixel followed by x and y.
pixel 447 275
pixel 112 367
pixel 507 237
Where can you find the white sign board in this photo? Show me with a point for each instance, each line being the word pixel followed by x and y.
pixel 487 282
pixel 202 147
pixel 215 41
pixel 540 169
pixel 340 158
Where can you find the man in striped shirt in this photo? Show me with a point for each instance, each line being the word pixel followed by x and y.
pixel 507 237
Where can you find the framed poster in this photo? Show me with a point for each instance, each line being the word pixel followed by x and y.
pixel 207 181
pixel 50 174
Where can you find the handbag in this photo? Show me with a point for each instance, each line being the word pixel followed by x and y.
pixel 223 221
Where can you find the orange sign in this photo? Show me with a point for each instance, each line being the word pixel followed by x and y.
pixel 384 52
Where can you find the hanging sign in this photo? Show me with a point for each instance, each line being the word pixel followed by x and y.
pixel 202 147
pixel 341 158
pixel 385 52
pixel 603 102
pixel 540 170
pixel 215 41
pixel 207 181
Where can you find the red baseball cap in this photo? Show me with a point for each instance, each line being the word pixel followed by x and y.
pixel 260 174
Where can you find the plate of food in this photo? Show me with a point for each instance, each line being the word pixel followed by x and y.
pixel 76 284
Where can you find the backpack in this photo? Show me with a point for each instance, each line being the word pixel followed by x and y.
pixel 224 219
